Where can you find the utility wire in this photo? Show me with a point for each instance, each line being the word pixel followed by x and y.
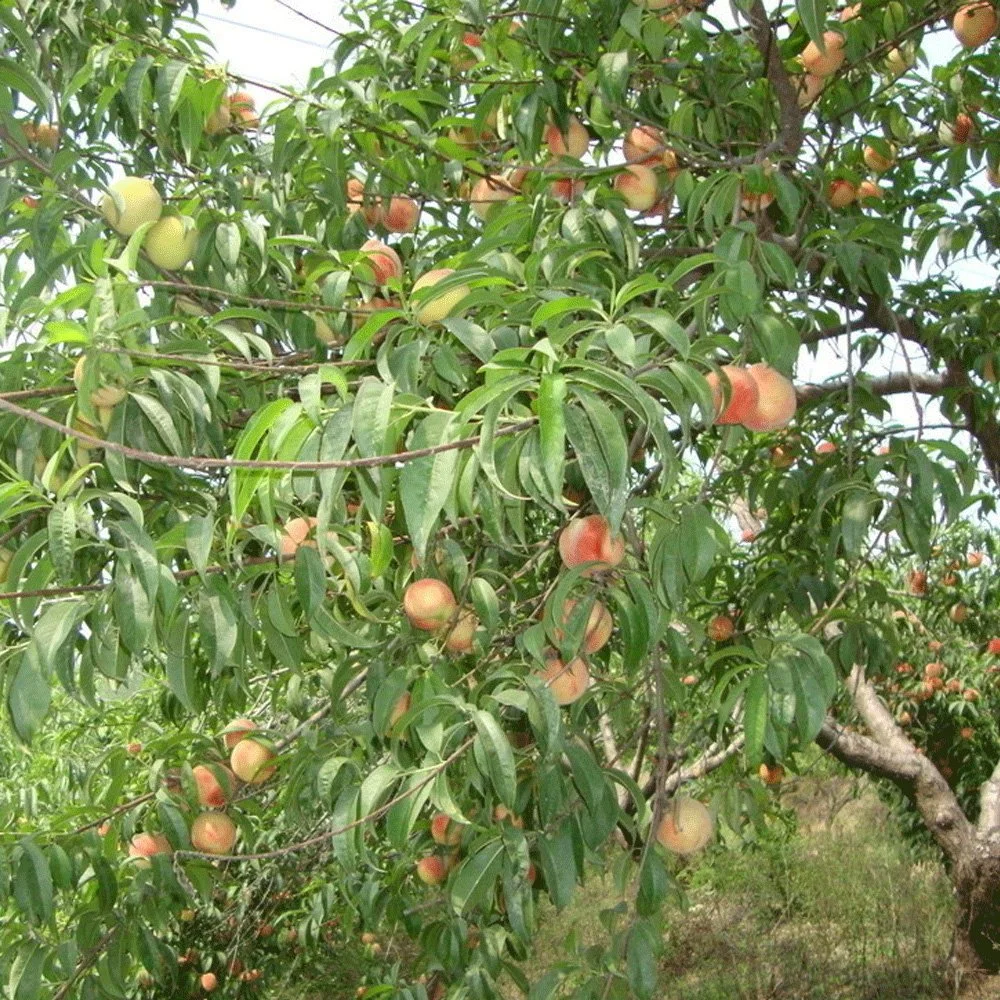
pixel 262 31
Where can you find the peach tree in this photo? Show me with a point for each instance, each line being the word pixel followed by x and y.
pixel 434 421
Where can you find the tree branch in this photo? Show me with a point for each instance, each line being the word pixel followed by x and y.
pixel 884 385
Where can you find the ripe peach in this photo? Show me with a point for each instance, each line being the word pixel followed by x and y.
pixel 689 679
pixel 145 845
pixel 216 784
pixel 809 87
pixel 431 870
pixel 776 402
pixel 850 13
pixel 974 560
pixel 589 539
pixel 993 647
pixel 237 730
pixel 462 633
pixel 434 308
pixel 956 133
pixel 953 686
pixel 251 761
pixel 975 24
pixel 209 981
pixel 749 535
pixel 134 748
pixel 756 201
pixel 600 625
pixel 501 814
pixel 825 63
pixel 429 604
pixel 916 582
pixel 771 774
pixel 782 457
pixel 970 694
pixel 686 826
pixel 565 189
pixel 639 186
pixel 720 628
pixel 487 192
pixel 573 142
pixel 874 160
pixel 933 670
pixel 213 833
pixel 869 189
pixel 735 393
pixel 958 613
pixel 220 120
pixel 568 681
pixel 402 214
pixel 935 646
pixel 371 210
pixel 445 831
pixel 383 260
pixel 644 144
pixel 294 534
pixel 243 109
pixel 841 193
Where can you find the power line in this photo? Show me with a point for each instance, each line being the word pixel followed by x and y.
pixel 262 31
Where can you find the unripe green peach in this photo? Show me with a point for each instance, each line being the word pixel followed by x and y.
pixel 434 308
pixel 130 203
pixel 171 243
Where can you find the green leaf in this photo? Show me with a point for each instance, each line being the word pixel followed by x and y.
pixel 755 715
pixel 28 697
pixel 19 78
pixel 855 518
pixel 812 13
pixel 494 757
pixel 552 430
pixel 476 877
pixel 161 420
pixel 198 534
pixel 33 883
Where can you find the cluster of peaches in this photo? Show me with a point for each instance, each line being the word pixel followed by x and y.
pixel 251 761
pixel 757 397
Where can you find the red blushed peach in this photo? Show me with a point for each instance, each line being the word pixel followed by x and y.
pixel 436 307
pixel 639 186
pixel 589 540
pixel 145 845
pixel 431 870
pixel 462 633
pixel 808 88
pixel 974 559
pixel 383 260
pixel 216 784
pixel 237 730
pixel 371 210
pixel 776 402
pixel 720 628
pixel 874 160
pixel 401 216
pixel 365 310
pixel 739 387
pixel 566 681
pixel 841 193
pixel 644 144
pixel 771 774
pixel 565 189
pixel 209 981
pixel 574 142
pixel 756 201
pixel 445 831
pixel 429 604
pixel 916 582
pixel 868 189
pixel 600 625
pixel 251 761
pixel 975 24
pixel 686 827
pixel 294 534
pixel 826 63
pixel 213 833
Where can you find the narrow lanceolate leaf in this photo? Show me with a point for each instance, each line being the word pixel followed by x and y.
pixel 813 16
pixel 755 711
pixel 475 879
pixel 495 757
pixel 161 420
pixel 33 883
pixel 28 697
pixel 552 429
pixel 372 409
pixel 425 483
pixel 62 535
pixel 198 539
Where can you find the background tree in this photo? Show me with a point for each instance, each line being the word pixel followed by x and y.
pixel 267 368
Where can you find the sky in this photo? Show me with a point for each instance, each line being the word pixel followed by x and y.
pixel 266 41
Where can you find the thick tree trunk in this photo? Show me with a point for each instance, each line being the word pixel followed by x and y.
pixel 976 944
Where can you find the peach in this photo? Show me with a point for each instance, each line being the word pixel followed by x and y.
pixel 874 160
pixel 970 694
pixel 383 260
pixel 974 560
pixel 958 613
pixel 487 192
pixel 209 981
pixel 144 845
pixel 841 193
pixel 365 310
pixel 431 870
pixel 720 628
pixel 237 730
pixel 216 784
pixel 771 774
pixel 501 814
pixel 461 634
pixel 956 133
pixel 565 189
pixel 975 24
pixel 639 186
pixel 220 120
pixel 429 604
pixel 251 761
pixel 827 62
pixel 869 189
pixel 131 202
pixel 295 534
pixel 782 457
pixel 993 178
pixel 400 709
pixel 934 670
pixel 898 61
pixel 776 401
pixel 243 109
pixel 600 625
pixel 809 87
pixel 434 308
pixel 402 214
pixel 850 13
pixel 213 833
pixel 916 582
pixel 574 142
pixel 686 826
pixel 826 448
pixel 567 681
pixel 589 540
pixel 735 393
pixel 445 831
pixel 171 242
pixel 644 144
pixel 756 201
